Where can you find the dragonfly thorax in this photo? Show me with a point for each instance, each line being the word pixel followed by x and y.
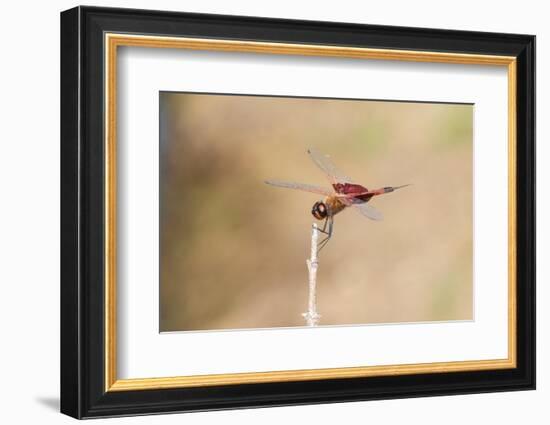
pixel 330 207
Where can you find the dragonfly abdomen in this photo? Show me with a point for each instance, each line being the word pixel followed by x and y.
pixel 364 198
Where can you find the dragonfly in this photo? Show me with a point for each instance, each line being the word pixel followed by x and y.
pixel 344 193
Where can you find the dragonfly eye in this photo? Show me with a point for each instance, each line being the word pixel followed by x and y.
pixel 319 210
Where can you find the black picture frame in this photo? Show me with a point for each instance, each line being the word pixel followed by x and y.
pixel 83 392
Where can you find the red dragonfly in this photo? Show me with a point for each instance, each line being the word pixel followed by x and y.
pixel 345 193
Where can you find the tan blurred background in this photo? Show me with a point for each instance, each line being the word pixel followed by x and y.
pixel 233 249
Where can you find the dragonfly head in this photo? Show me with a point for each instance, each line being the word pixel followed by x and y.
pixel 319 210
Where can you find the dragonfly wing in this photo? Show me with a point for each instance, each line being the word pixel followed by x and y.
pixel 327 166
pixel 301 186
pixel 368 211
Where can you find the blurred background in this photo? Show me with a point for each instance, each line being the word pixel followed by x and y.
pixel 233 249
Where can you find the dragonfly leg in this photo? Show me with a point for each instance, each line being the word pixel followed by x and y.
pixel 327 223
pixel 328 232
pixel 324 229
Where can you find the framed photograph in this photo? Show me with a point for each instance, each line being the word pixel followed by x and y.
pixel 261 212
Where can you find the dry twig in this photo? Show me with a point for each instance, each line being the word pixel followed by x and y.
pixel 311 316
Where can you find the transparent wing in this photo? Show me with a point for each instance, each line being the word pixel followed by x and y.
pixel 369 211
pixel 326 165
pixel 301 186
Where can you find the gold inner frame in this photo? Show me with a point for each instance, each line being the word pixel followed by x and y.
pixel 113 41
